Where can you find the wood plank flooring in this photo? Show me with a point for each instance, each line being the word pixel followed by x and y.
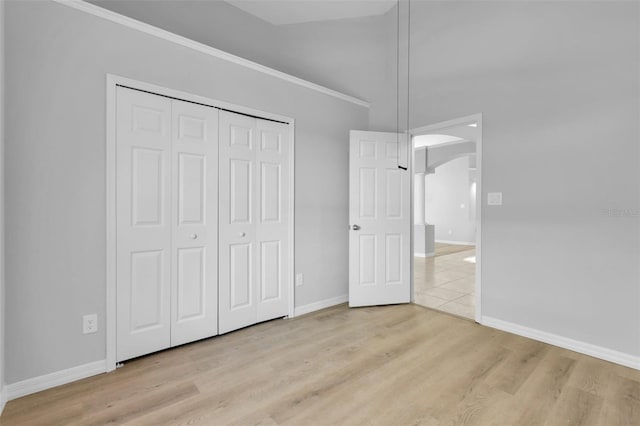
pixel 392 365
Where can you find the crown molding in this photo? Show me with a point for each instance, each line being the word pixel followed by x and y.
pixel 202 48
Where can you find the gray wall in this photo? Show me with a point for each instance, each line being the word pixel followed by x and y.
pixel 354 56
pixel 57 59
pixel 446 192
pixel 348 55
pixel 215 23
pixel 558 84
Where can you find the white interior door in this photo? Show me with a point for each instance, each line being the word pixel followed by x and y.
pixel 143 215
pixel 379 217
pixel 254 222
pixel 194 295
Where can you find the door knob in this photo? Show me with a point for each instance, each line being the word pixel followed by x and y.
pixel 355 227
pixel 194 236
pixel 242 234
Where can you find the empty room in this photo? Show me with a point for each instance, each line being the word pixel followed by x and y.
pixel 320 212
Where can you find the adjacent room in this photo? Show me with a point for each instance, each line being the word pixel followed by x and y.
pixel 313 212
pixel 445 218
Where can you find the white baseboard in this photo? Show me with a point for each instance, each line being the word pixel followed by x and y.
pixel 617 357
pixel 424 254
pixel 316 306
pixel 457 243
pixel 51 380
pixel 3 398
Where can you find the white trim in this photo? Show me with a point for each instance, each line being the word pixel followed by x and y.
pixel 432 254
pixel 292 219
pixel 477 118
pixel 110 161
pixel 606 354
pixel 202 48
pixel 112 82
pixel 412 234
pixel 316 306
pixel 51 380
pixel 457 243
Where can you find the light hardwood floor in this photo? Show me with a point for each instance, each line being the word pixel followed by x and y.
pixel 392 365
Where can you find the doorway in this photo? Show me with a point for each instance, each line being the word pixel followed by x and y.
pixel 447 216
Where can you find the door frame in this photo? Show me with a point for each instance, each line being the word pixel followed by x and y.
pixel 112 81
pixel 477 118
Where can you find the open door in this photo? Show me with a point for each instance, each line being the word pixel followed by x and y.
pixel 379 220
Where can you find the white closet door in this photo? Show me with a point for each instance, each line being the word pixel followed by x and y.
pixel 237 265
pixel 254 220
pixel 143 258
pixel 272 243
pixel 194 295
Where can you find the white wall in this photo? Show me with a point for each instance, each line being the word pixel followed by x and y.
pixel 448 202
pixel 2 267
pixel 558 84
pixel 57 58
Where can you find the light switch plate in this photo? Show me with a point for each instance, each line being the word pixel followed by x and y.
pixel 494 198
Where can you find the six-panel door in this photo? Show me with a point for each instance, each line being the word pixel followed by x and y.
pixel 144 225
pixel 194 296
pixel 254 210
pixel 168 245
pixel 379 209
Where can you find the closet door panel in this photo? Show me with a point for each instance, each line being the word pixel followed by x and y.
pixel 194 297
pixel 143 223
pixel 272 228
pixel 237 259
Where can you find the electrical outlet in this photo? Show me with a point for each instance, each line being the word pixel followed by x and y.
pixel 494 198
pixel 89 323
pixel 299 280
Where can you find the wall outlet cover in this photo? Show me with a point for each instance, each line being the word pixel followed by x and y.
pixel 89 323
pixel 299 280
pixel 494 198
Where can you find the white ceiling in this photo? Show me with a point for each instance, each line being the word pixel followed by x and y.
pixel 282 12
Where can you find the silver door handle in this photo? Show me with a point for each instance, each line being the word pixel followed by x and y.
pixel 355 227
pixel 242 234
pixel 194 236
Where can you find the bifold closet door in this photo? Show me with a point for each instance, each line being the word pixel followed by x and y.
pixel 194 295
pixel 167 161
pixel 143 289
pixel 254 221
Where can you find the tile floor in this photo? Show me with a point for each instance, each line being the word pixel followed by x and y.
pixel 447 282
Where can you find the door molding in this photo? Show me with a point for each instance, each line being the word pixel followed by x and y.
pixel 474 118
pixel 112 81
